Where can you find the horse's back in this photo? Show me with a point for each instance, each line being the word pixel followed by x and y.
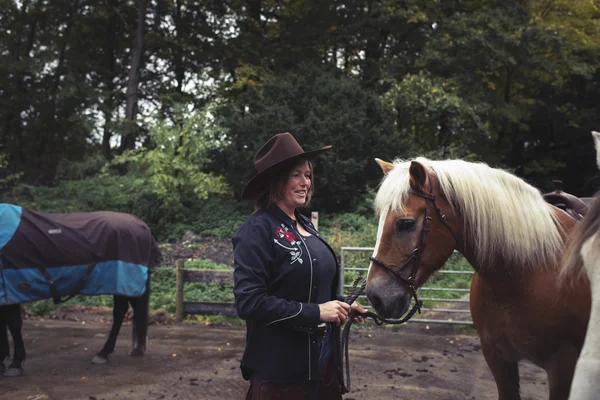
pixel 114 249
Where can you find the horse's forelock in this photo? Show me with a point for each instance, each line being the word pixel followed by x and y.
pixel 394 187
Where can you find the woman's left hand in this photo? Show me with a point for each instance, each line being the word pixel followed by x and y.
pixel 359 309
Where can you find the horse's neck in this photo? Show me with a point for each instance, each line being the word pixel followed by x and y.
pixel 498 269
pixel 495 269
pixel 503 280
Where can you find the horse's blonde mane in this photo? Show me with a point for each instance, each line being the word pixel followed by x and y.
pixel 503 215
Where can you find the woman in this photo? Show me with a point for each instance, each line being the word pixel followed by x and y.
pixel 286 279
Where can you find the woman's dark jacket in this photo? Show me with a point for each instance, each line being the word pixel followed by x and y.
pixel 274 288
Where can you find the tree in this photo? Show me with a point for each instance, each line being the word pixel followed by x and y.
pixel 494 79
pixel 174 165
pixel 319 107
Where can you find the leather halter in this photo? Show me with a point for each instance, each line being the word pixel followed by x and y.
pixel 415 256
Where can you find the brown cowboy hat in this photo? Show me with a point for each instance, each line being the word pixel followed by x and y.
pixel 281 148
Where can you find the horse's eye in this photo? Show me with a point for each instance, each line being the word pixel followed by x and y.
pixel 405 224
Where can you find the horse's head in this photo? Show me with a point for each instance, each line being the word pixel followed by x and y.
pixel 416 235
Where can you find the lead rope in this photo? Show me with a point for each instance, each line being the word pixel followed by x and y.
pixel 351 298
pixel 355 292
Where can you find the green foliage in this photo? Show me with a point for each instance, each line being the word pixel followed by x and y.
pixel 68 170
pixel 127 193
pixel 164 281
pixel 494 82
pixel 215 216
pixel 205 264
pixel 319 107
pixel 218 216
pixel 117 193
pixel 7 179
pixel 432 112
pixel 174 165
pixel 509 83
pixel 163 288
pixel 42 307
pixel 166 185
pixel 349 230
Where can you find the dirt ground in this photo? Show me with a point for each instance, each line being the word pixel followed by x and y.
pixel 188 361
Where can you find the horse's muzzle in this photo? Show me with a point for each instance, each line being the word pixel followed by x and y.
pixel 390 299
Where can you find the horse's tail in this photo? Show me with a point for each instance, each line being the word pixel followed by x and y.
pixel 572 263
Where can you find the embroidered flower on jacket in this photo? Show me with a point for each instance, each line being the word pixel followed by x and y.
pixel 289 236
pixel 282 232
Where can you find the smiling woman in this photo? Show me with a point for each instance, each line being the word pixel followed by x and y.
pixel 285 285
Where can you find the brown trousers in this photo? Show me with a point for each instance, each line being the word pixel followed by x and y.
pixel 329 388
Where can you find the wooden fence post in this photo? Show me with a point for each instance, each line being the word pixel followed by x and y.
pixel 179 264
pixel 314 218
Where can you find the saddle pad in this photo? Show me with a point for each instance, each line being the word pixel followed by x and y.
pixel 65 245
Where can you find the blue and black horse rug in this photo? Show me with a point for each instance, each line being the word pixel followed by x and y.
pixel 90 253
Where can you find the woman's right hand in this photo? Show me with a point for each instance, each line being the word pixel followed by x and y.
pixel 334 311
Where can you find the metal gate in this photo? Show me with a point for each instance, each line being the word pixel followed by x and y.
pixel 439 306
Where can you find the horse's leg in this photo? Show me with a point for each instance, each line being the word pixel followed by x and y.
pixel 506 373
pixel 4 345
pixel 119 310
pixel 560 371
pixel 140 307
pixel 15 325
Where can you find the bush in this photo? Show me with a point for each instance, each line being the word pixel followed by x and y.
pixel 319 106
pixel 164 285
pixel 349 230
pixel 215 216
pixel 69 170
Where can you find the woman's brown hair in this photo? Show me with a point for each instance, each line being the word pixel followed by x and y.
pixel 273 192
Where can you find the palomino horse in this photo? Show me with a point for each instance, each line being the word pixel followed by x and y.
pixel 512 238
pixel 53 255
pixel 584 251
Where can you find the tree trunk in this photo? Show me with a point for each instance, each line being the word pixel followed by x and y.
pixel 132 94
pixel 54 89
pixel 507 88
pixel 109 99
pixel 377 36
pixel 14 127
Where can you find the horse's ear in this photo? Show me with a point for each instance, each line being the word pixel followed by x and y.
pixel 385 166
pixel 418 176
pixel 596 136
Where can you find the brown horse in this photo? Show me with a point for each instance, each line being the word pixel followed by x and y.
pixel 512 238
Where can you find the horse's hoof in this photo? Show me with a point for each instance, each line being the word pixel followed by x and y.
pixel 13 372
pixel 98 360
pixel 137 352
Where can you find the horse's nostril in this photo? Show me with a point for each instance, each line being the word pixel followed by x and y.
pixel 376 302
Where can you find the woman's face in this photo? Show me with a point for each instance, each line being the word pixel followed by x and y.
pixel 297 186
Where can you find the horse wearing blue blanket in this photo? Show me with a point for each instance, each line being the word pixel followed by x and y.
pixel 46 256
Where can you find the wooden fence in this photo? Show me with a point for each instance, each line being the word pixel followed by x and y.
pixel 207 276
pixel 200 307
